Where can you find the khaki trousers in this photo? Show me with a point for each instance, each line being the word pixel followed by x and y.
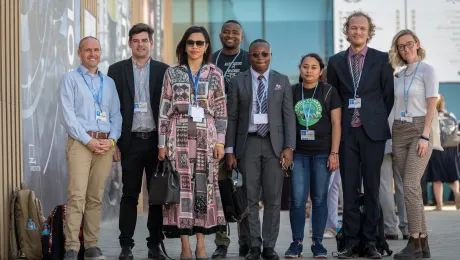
pixel 87 175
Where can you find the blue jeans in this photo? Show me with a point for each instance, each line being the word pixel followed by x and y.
pixel 309 169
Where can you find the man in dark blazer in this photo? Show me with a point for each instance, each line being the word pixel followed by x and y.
pixel 364 79
pixel 260 139
pixel 139 80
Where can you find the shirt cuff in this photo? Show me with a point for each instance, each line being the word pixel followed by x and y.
pixel 229 150
pixel 85 139
pixel 221 138
pixel 112 136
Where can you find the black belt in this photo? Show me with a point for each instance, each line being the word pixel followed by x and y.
pixel 144 135
pixel 257 134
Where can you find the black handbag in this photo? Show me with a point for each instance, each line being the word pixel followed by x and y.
pixel 164 185
pixel 234 201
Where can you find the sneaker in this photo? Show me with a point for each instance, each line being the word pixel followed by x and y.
pixel 71 255
pixel 94 253
pixel 329 233
pixel 318 250
pixel 295 250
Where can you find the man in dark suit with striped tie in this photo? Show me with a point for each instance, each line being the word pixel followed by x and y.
pixel 364 79
pixel 260 139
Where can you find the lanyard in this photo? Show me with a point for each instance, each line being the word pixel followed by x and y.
pixel 406 92
pixel 307 116
pixel 195 81
pixel 98 97
pixel 356 84
pixel 140 91
pixel 264 95
pixel 229 66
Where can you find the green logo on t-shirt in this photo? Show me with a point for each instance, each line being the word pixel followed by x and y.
pixel 315 111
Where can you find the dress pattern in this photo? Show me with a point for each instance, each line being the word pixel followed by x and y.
pixel 190 148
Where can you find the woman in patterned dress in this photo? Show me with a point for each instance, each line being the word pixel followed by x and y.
pixel 192 123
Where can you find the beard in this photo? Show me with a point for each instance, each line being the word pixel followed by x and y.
pixel 230 47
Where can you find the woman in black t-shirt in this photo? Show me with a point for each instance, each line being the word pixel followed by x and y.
pixel 318 110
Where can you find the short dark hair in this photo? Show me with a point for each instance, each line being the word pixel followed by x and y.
pixel 357 14
pixel 80 44
pixel 232 21
pixel 180 50
pixel 141 27
pixel 258 41
pixel 315 56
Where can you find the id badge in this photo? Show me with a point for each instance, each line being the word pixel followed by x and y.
pixel 407 117
pixel 140 107
pixel 260 119
pixel 197 113
pixel 354 103
pixel 102 116
pixel 307 135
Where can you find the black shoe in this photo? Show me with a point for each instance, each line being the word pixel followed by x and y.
pixel 425 247
pixel 253 254
pixel 220 253
pixel 126 253
pixel 348 252
pixel 371 252
pixel 244 250
pixel 406 237
pixel 156 253
pixel 413 250
pixel 270 254
pixel 391 237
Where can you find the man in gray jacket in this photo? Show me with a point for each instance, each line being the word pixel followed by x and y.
pixel 261 138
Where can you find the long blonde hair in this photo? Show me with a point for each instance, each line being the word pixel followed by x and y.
pixel 395 58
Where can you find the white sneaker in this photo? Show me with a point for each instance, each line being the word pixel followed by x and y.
pixel 330 233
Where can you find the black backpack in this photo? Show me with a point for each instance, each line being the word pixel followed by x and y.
pixel 449 130
pixel 381 245
pixel 53 245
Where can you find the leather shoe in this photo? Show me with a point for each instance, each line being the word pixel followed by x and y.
pixel 270 254
pixel 253 254
pixel 220 253
pixel 244 250
pixel 156 253
pixel 348 252
pixel 391 237
pixel 371 252
pixel 126 253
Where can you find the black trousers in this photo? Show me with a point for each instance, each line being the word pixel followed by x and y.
pixel 141 155
pixel 360 162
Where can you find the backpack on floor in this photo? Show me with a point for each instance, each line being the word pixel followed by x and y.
pixel 381 244
pixel 53 245
pixel 25 242
pixel 449 130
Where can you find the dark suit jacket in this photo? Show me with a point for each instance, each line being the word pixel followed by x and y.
pixel 376 91
pixel 123 75
pixel 281 117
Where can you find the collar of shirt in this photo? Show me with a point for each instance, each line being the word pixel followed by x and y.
pixel 363 51
pixel 255 75
pixel 86 71
pixel 137 66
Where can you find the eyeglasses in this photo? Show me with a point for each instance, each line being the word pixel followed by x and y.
pixel 408 45
pixel 256 55
pixel 191 43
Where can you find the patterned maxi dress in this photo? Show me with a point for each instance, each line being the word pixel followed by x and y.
pixel 190 148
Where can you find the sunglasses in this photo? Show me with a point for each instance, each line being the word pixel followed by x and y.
pixel 191 43
pixel 257 55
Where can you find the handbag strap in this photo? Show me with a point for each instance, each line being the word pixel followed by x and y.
pixel 164 250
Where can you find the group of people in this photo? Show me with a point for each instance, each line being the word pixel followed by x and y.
pixel 214 111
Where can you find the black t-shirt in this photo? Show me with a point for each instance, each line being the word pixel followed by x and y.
pixel 325 100
pixel 240 64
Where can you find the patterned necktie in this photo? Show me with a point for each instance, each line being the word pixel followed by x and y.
pixel 262 107
pixel 355 120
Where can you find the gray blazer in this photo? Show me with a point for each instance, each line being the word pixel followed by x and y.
pixel 281 116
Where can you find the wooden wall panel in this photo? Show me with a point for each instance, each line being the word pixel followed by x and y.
pixel 91 6
pixel 10 115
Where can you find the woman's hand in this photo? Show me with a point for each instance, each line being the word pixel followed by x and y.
pixel 422 147
pixel 333 162
pixel 219 152
pixel 162 152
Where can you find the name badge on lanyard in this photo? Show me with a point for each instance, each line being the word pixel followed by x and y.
pixel 100 115
pixel 141 106
pixel 195 111
pixel 355 102
pixel 307 135
pixel 260 118
pixel 405 115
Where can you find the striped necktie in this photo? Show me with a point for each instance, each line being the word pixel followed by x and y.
pixel 262 107
pixel 355 120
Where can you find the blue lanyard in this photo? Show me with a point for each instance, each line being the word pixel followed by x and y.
pixel 140 91
pixel 229 66
pixel 356 84
pixel 307 116
pixel 259 101
pixel 97 97
pixel 406 92
pixel 195 81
